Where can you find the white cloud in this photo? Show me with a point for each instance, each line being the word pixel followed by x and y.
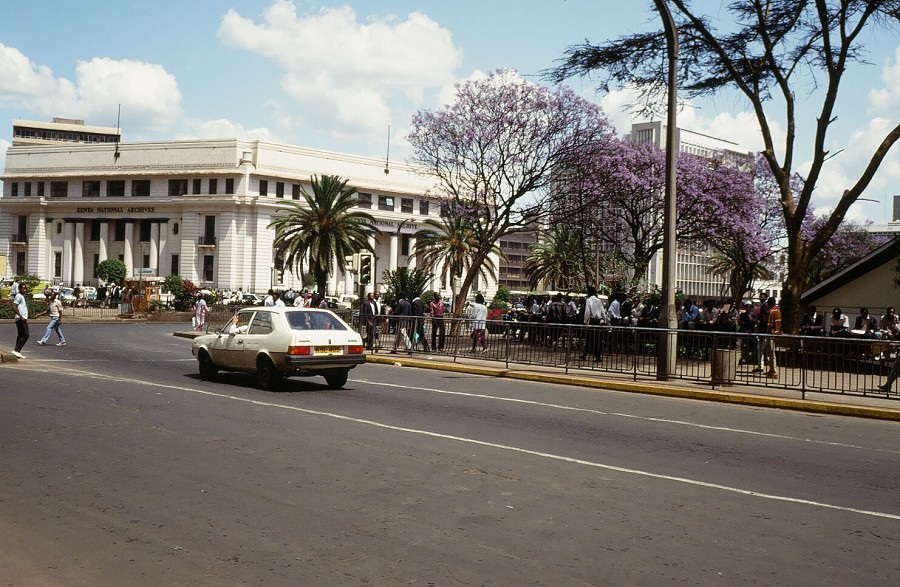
pixel 345 74
pixel 887 98
pixel 148 94
pixel 222 129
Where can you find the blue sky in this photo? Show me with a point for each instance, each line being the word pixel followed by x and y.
pixel 336 75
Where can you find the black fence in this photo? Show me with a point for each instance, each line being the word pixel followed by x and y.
pixel 855 366
pixel 836 365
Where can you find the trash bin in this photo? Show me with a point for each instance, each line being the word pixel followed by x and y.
pixel 724 366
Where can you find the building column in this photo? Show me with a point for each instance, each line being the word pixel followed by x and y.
pixel 78 254
pixel 163 265
pixel 129 253
pixel 68 243
pixel 104 239
pixel 395 245
pixel 411 260
pixel 154 247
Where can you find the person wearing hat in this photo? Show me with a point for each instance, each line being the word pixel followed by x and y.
pixel 838 323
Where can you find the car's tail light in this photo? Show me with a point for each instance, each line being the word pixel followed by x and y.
pixel 355 349
pixel 299 350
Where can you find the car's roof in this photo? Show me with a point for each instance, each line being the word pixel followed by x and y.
pixel 284 309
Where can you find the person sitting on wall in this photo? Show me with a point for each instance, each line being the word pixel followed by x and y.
pixel 838 323
pixel 865 326
pixel 890 325
pixel 812 323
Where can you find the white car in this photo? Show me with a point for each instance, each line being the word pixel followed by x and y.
pixel 274 342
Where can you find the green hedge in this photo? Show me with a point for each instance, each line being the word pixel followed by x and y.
pixel 34 307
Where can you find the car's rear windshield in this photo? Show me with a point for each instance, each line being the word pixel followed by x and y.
pixel 300 320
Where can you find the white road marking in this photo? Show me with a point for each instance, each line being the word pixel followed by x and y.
pixel 631 416
pixel 474 441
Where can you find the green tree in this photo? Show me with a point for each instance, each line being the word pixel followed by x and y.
pixel 771 52
pixel 451 244
pixel 410 281
pixel 557 261
pixel 111 270
pixel 320 228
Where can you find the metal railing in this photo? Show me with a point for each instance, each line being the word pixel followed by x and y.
pixel 853 366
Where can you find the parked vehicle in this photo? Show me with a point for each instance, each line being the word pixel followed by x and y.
pixel 246 299
pixel 275 342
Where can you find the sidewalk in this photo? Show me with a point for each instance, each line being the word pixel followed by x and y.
pixel 769 397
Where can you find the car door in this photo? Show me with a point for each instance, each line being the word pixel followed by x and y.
pixel 259 335
pixel 227 350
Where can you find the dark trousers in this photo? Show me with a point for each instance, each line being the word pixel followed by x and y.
pixel 21 334
pixel 592 339
pixel 369 340
pixel 437 324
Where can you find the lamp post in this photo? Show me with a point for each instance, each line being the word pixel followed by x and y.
pixel 668 341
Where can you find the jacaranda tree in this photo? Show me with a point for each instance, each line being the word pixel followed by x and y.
pixel 493 149
pixel 769 52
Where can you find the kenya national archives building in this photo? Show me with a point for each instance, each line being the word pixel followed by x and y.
pixel 199 209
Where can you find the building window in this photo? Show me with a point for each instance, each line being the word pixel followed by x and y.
pixel 40 189
pixel 295 191
pixel 279 189
pixel 213 185
pixel 115 188
pixel 90 189
pixel 27 189
pixel 175 267
pixel 96 262
pixel 57 264
pixel 406 205
pixel 119 231
pixel 263 187
pixel 20 262
pixel 209 226
pixel 386 203
pixel 404 244
pixel 195 186
pixel 95 230
pixel 208 265
pixel 229 185
pixel 364 201
pixel 144 231
pixel 14 190
pixel 140 188
pixel 59 189
pixel 423 207
pixel 177 187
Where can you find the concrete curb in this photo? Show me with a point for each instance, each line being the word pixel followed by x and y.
pixel 811 406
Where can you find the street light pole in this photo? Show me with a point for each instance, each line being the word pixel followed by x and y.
pixel 668 341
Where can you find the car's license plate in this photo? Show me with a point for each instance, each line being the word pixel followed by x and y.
pixel 329 350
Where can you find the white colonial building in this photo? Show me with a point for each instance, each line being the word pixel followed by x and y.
pixel 198 209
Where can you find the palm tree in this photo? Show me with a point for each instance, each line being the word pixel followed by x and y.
pixel 737 272
pixel 320 228
pixel 451 243
pixel 556 260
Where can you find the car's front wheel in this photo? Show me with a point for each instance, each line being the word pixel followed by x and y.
pixel 208 370
pixel 267 376
pixel 336 379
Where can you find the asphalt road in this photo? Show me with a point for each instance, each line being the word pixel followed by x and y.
pixel 121 467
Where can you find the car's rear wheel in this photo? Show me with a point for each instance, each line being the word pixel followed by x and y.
pixel 267 376
pixel 336 379
pixel 208 369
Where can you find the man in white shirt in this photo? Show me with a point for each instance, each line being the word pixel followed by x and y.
pixel 20 309
pixel 594 317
